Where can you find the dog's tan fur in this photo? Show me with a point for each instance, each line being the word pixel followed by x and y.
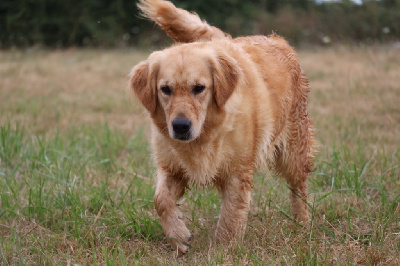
pixel 252 113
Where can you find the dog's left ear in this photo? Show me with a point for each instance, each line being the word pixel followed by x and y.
pixel 226 73
pixel 140 82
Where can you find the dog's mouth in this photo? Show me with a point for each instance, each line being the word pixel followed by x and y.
pixel 183 137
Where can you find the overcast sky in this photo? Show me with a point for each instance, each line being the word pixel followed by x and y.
pixel 355 1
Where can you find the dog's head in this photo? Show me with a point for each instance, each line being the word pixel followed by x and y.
pixel 178 86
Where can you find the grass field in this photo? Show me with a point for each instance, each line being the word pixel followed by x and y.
pixel 76 176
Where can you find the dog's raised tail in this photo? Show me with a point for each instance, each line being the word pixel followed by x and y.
pixel 179 24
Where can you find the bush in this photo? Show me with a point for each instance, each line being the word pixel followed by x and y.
pixel 116 23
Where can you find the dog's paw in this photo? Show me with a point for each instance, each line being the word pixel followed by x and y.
pixel 181 241
pixel 302 217
pixel 178 234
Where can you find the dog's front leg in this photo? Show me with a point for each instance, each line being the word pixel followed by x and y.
pixel 236 196
pixel 171 188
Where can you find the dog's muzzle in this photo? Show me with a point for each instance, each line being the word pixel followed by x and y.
pixel 181 127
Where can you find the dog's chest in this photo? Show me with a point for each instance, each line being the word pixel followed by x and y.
pixel 201 164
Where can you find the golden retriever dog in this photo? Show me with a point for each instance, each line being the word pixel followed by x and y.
pixel 220 108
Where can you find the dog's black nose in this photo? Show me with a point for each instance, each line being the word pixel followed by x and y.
pixel 181 125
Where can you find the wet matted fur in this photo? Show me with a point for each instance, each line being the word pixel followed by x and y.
pixel 221 108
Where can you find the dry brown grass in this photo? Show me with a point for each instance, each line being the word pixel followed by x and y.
pixel 51 90
pixel 354 102
pixel 355 94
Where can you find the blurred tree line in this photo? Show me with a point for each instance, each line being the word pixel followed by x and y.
pixel 110 23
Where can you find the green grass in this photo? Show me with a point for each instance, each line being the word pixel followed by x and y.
pixel 76 179
pixel 70 183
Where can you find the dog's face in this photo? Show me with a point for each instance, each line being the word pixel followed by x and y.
pixel 179 85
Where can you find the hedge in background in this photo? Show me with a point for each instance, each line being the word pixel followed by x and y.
pixel 112 23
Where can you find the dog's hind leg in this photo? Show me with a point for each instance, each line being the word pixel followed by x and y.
pixel 294 157
pixel 298 200
pixel 295 165
pixel 171 188
pixel 296 175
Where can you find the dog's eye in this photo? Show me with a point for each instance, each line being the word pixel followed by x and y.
pixel 198 89
pixel 166 90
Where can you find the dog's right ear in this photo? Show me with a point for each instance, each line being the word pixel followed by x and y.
pixel 141 83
